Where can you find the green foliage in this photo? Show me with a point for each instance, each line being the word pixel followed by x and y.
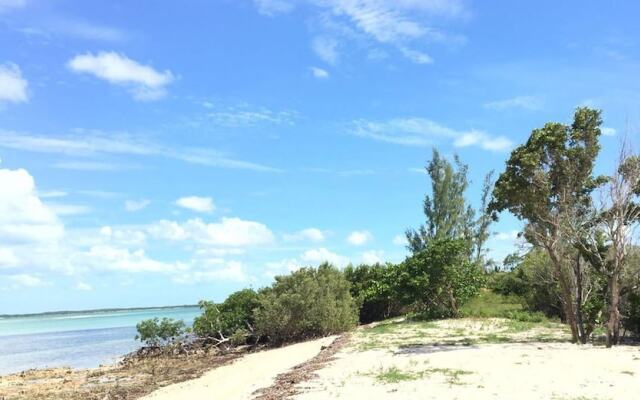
pixel 156 332
pixel 493 305
pixel 440 279
pixel 310 302
pixel 447 213
pixel 235 314
pixel 372 286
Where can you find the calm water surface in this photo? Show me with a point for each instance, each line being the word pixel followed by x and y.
pixel 79 340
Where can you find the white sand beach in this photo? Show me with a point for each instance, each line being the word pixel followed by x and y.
pixel 241 378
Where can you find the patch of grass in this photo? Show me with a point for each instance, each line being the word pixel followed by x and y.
pixel 492 305
pixel 628 373
pixel 395 375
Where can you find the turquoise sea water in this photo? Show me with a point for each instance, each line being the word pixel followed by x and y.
pixel 79 340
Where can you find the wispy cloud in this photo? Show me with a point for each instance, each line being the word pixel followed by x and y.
pixel 93 143
pixel 416 131
pixel 144 82
pixel 319 73
pixel 89 166
pixel 6 5
pixel 399 24
pixel 245 115
pixel 13 86
pixel 84 30
pixel 608 131
pixel 524 102
pixel 326 49
pixel 136 205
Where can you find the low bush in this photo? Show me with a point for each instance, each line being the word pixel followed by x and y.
pixel 372 286
pixel 156 332
pixel 234 317
pixel 310 302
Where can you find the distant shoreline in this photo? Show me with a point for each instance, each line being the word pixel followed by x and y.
pixel 93 311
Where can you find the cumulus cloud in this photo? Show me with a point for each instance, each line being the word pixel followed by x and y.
pixel 24 218
pixel 196 203
pixel 232 271
pixel 318 256
pixel 143 81
pixel 310 234
pixel 422 132
pixel 26 281
pixel 229 232
pixel 400 240
pixel 83 286
pixel 359 238
pixel 13 87
pixel 319 73
pixel 373 257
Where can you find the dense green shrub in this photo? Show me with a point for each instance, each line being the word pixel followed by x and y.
pixel 372 286
pixel 440 279
pixel 156 332
pixel 235 316
pixel 310 302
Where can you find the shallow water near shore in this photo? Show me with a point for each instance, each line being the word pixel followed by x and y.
pixel 78 340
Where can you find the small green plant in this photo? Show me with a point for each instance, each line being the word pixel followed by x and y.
pixel 156 332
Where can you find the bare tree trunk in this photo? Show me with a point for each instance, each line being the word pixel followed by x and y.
pixel 613 325
pixel 579 317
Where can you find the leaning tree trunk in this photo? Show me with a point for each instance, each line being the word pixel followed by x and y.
pixel 613 325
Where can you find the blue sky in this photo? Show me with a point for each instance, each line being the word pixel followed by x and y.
pixel 158 153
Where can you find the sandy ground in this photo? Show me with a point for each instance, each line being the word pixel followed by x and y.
pixel 420 366
pixel 241 378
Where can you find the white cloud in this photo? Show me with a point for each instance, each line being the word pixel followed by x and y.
pixel 326 49
pixel 400 240
pixel 524 102
pixel 24 217
pixel 87 166
pixel 88 143
pixel 273 7
pixel 86 30
pixel 26 280
pixel 320 255
pixel 416 131
pixel 392 23
pixel 13 87
pixel 310 234
pixel 8 258
pixel 230 232
pixel 9 4
pixel 136 205
pixel 83 286
pixel 372 257
pixel 144 82
pixel 417 57
pixel 481 139
pixel 69 209
pixel 196 203
pixel 319 73
pixel 123 259
pixel 506 236
pixel 231 271
pixel 359 238
pixel 245 115
pixel 607 131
